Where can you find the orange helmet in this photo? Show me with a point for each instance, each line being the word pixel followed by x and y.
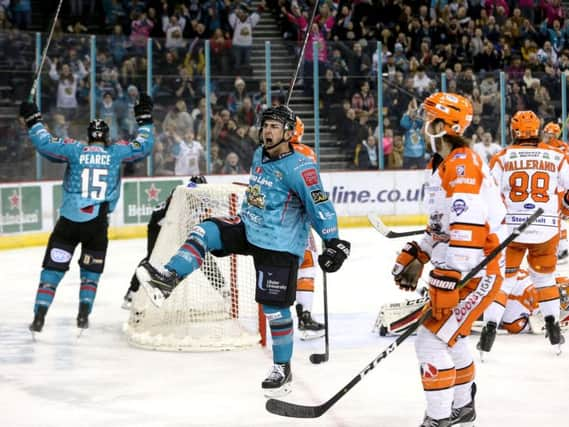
pixel 454 110
pixel 298 131
pixel 553 129
pixel 525 125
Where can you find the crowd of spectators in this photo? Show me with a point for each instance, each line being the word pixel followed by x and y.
pixel 467 41
pixel 178 30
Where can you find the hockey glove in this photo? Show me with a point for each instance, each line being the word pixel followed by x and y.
pixel 29 111
pixel 409 266
pixel 334 255
pixel 443 291
pixel 143 110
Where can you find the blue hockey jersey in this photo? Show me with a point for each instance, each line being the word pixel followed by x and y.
pixel 284 198
pixel 93 173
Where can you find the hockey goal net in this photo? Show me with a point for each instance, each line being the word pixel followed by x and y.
pixel 213 308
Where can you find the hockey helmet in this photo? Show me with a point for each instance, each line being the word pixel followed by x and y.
pixel 298 131
pixel 454 110
pixel 552 128
pixel 280 113
pixel 98 131
pixel 525 125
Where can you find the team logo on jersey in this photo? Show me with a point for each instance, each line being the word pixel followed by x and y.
pixel 428 370
pixel 310 177
pixel 460 170
pixel 459 206
pixel 255 197
pixel 319 196
pixel 259 170
pixel 279 175
pixel 529 206
pixel 460 156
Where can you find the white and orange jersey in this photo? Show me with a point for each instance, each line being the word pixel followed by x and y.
pixel 466 213
pixel 308 269
pixel 558 144
pixel 530 177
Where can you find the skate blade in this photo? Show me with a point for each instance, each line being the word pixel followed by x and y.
pixel 126 305
pixel 561 261
pixel 482 359
pixel 311 335
pixel 80 332
pixel 34 338
pixel 466 424
pixel 283 390
pixel 154 294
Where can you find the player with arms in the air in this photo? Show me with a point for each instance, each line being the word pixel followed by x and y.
pixel 465 223
pixel 284 199
pixel 91 188
pixel 530 175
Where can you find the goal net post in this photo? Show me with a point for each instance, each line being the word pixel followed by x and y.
pixel 213 308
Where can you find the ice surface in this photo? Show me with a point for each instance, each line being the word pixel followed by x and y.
pixel 99 380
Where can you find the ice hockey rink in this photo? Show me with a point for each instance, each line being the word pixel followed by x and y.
pixel 99 379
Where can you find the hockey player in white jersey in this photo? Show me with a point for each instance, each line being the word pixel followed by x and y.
pixel 530 175
pixel 466 214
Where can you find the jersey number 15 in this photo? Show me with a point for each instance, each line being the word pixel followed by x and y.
pixel 92 186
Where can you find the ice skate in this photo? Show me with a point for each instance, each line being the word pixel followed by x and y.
pixel 563 257
pixel 39 319
pixel 308 327
pixel 431 422
pixel 466 415
pixel 553 332
pixel 82 318
pixel 487 337
pixel 157 284
pixel 279 381
pixel 127 300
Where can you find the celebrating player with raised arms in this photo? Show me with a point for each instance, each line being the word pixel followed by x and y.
pixel 91 188
pixel 465 223
pixel 530 175
pixel 283 200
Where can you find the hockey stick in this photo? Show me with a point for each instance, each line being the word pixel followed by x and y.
pixel 44 55
pixel 317 358
pixel 378 224
pixel 301 57
pixel 288 409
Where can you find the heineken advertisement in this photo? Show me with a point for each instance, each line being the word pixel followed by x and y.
pixel 140 198
pixel 21 209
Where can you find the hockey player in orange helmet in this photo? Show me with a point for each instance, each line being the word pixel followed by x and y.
pixel 307 326
pixel 551 133
pixel 524 127
pixel 530 175
pixel 466 213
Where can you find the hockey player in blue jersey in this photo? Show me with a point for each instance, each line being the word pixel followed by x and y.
pixel 283 200
pixel 91 188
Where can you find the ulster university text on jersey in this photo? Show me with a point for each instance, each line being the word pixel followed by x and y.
pixel 283 200
pixel 465 222
pixel 530 175
pixel 91 188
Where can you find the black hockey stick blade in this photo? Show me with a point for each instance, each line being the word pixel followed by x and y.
pixel 317 358
pixel 378 224
pixel 287 409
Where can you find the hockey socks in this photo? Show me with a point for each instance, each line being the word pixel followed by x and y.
pixel 280 322
pixel 203 237
pixel 49 279
pixel 88 289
